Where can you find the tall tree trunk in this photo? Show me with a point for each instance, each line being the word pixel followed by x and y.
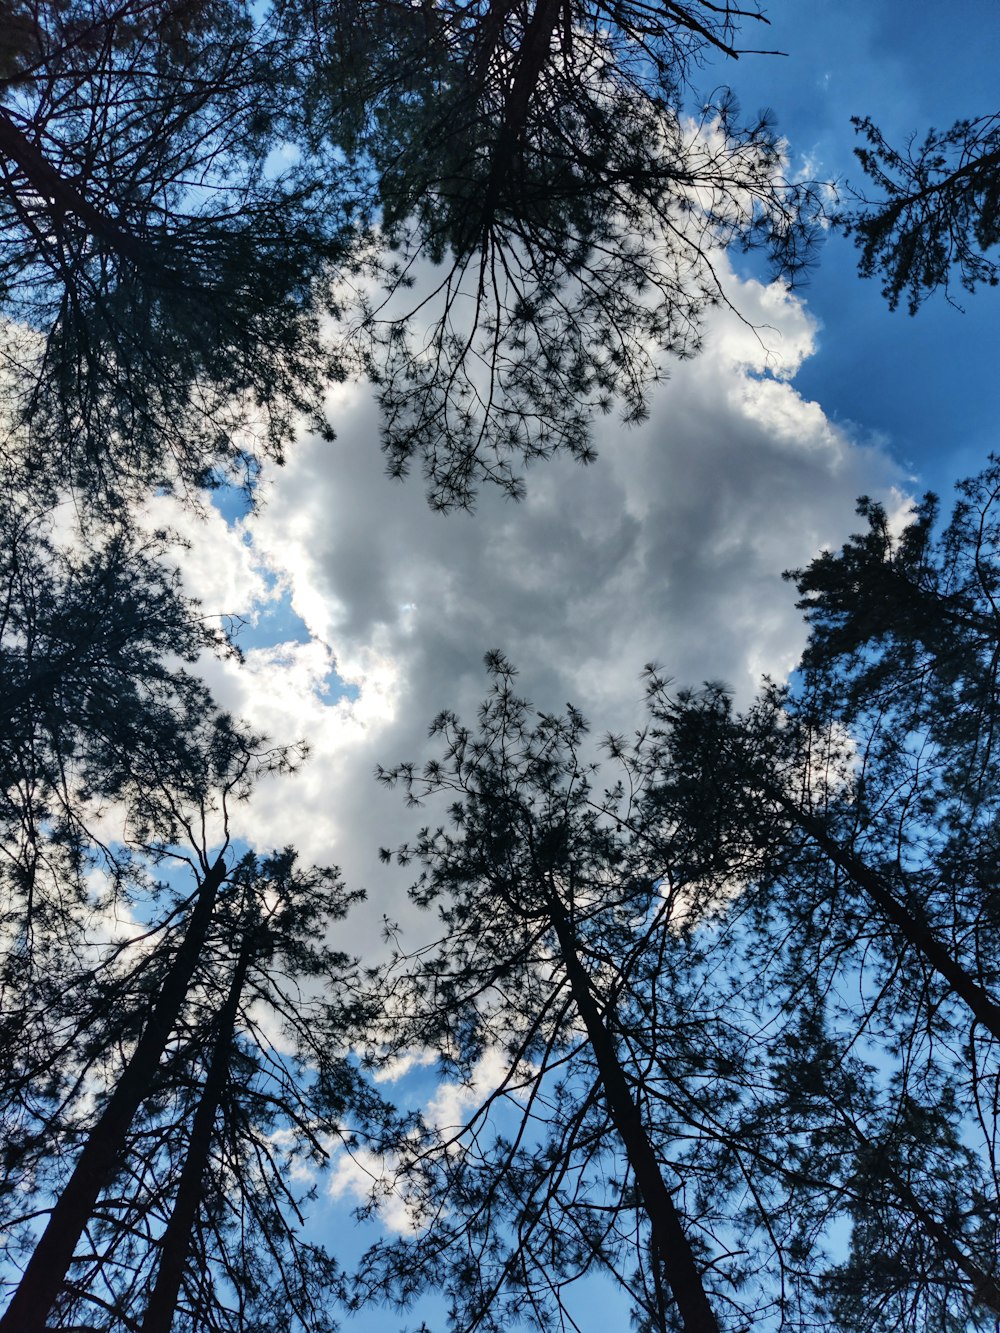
pixel 533 55
pixel 985 1288
pixel 670 1244
pixel 175 1245
pixel 46 1271
pixel 916 933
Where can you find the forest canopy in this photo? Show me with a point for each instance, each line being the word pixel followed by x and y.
pixel 191 193
pixel 716 1002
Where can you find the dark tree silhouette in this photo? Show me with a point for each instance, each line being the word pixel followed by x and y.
pixel 91 713
pixel 539 156
pixel 936 212
pixel 168 282
pixel 756 974
pixel 202 1226
pixel 527 873
pixel 167 797
pixel 105 1146
pixel 636 1126
pixel 162 280
pixel 179 1206
pixel 857 814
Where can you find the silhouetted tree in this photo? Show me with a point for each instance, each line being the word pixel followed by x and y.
pixel 205 1060
pixel 754 974
pixel 163 278
pixel 538 155
pixel 847 915
pixel 91 1011
pixel 201 1227
pixel 191 190
pixel 91 713
pixel 855 817
pixel 634 1121
pixel 936 213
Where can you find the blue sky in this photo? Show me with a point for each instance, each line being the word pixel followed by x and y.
pixel 670 548
pixel 927 385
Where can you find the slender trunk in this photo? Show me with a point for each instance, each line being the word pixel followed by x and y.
pixel 914 931
pixel 175 1245
pixel 50 184
pixel 46 1271
pixel 985 1289
pixel 532 58
pixel 669 1241
pixel 488 32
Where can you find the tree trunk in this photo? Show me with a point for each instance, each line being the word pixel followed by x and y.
pixel 175 1245
pixel 51 185
pixel 669 1241
pixel 914 931
pixel 46 1271
pixel 985 1288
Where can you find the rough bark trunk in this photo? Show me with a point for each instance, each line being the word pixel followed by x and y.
pixel 669 1241
pixel 46 1271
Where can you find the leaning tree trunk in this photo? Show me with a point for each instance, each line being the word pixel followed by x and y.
pixel 175 1245
pixel 46 1271
pixel 50 184
pixel 916 933
pixel 984 1286
pixel 670 1244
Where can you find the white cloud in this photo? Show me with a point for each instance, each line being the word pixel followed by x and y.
pixel 364 1176
pixel 669 548
pixel 371 1178
pixel 219 566
pixel 449 1108
pixel 404 1064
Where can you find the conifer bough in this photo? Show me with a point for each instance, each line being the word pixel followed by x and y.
pixel 189 193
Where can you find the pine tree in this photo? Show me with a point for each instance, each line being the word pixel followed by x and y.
pixel 627 1117
pixel 162 1168
pixel 537 155
pixel 114 974
pixel 855 817
pixel 92 714
pixel 936 214
pixel 162 281
pixel 169 285
pixel 762 942
pixel 201 1227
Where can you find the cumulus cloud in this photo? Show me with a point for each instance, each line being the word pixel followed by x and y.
pixel 669 548
pixel 404 1064
pixel 219 568
pixel 449 1108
